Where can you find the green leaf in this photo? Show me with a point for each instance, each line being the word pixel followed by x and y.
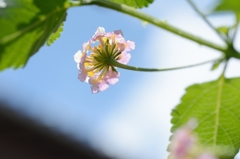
pixel 216 106
pixel 133 3
pixel 55 35
pixel 229 5
pixel 223 29
pixel 25 26
pixel 216 64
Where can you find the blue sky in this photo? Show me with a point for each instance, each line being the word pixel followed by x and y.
pixel 131 120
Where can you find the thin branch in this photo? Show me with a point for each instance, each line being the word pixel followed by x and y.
pixel 127 67
pixel 145 17
pixel 225 68
pixel 224 38
pixel 235 33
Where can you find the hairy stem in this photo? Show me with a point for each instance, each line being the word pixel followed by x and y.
pixel 150 19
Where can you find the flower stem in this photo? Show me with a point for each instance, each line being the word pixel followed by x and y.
pixel 127 67
pixel 150 19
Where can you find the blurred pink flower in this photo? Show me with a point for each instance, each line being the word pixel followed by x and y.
pixel 206 156
pixel 184 144
pixel 183 141
pixel 93 61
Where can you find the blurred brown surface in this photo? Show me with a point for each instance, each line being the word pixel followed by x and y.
pixel 23 138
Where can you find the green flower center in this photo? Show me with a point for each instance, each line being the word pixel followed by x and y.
pixel 105 54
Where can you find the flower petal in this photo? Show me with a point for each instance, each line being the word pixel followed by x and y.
pixel 118 32
pixel 130 45
pixel 112 80
pixel 124 57
pixel 85 46
pixel 112 77
pixel 82 75
pixel 77 56
pixel 100 30
pixel 82 61
pixel 97 86
pixel 102 86
pixel 206 156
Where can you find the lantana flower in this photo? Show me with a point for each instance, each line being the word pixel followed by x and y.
pixel 184 144
pixel 206 156
pixel 94 60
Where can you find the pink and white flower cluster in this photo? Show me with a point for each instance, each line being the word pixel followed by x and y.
pixel 94 60
pixel 184 144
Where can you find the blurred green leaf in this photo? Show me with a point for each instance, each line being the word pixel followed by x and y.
pixel 229 5
pixel 25 26
pixel 216 107
pixel 216 64
pixel 133 3
pixel 55 35
pixel 223 29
